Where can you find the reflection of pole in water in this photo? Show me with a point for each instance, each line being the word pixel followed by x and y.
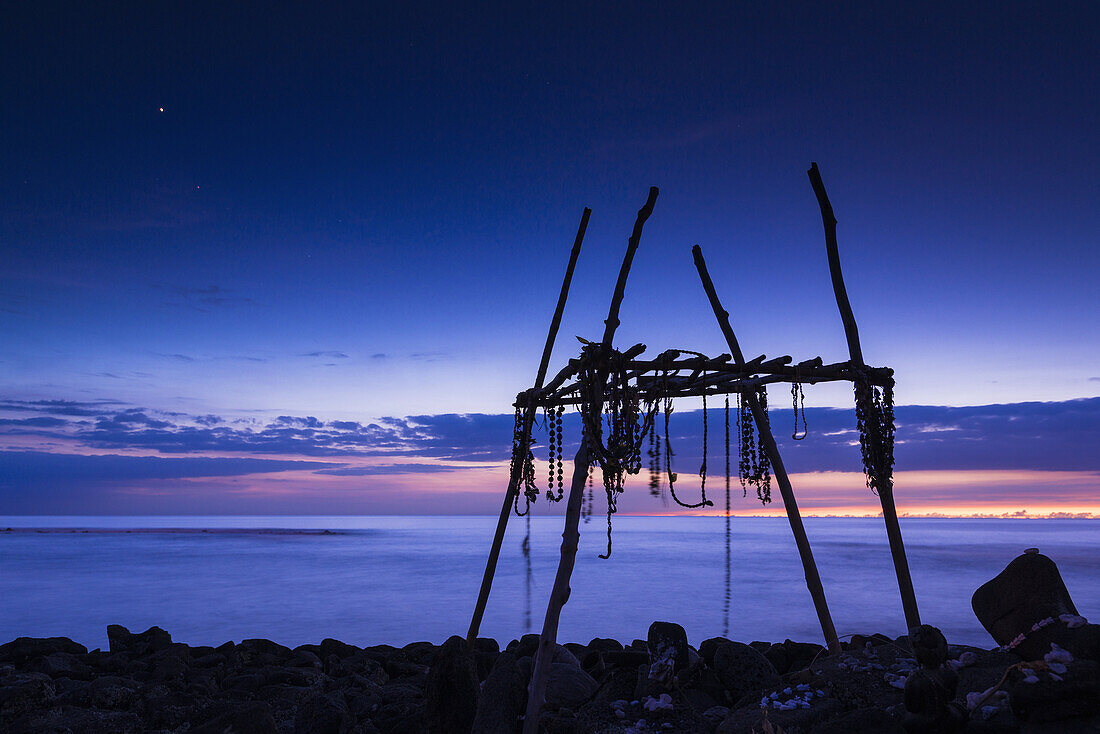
pixel 526 547
pixel 726 608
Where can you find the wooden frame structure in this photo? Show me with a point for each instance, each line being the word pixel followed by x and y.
pixel 672 375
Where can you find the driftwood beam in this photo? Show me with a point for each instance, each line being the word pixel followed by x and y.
pixel 851 333
pixel 570 536
pixel 612 322
pixel 525 440
pixel 828 220
pixel 809 567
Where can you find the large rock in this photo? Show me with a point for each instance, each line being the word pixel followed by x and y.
pixel 861 721
pixel 1046 699
pixel 22 649
pixel 1029 591
pixel 743 670
pixel 668 648
pixel 325 713
pixel 452 688
pixel 568 686
pixel 503 698
pixel 789 656
pixel 140 644
pixel 24 692
pixel 250 718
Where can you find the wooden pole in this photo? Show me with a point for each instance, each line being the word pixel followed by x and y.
pixel 813 579
pixel 570 538
pixel 885 484
pixel 525 441
pixel 571 535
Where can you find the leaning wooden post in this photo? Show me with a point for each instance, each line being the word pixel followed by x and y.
pixel 571 535
pixel 885 485
pixel 813 579
pixel 525 441
pixel 570 538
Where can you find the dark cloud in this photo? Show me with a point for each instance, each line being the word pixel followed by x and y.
pixel 61 407
pixel 1038 436
pixel 35 481
pixel 378 355
pixel 428 356
pixel 177 357
pixel 384 469
pixel 38 422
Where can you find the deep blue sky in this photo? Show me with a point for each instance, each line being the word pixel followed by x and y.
pixel 364 210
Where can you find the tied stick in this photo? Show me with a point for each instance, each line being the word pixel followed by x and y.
pixel 525 441
pixel 851 333
pixel 813 578
pixel 571 534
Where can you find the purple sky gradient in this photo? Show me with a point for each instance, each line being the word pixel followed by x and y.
pixel 356 212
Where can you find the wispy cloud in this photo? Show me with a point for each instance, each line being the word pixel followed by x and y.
pixel 203 298
pixel 326 354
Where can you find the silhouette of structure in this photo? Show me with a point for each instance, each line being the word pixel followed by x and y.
pixel 619 396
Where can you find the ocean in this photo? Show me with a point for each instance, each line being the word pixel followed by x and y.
pixel 371 580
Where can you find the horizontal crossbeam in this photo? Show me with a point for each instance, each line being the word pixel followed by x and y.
pixel 672 375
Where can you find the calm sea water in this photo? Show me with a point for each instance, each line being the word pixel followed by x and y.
pixel 399 579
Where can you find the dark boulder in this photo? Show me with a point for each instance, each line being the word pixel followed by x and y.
pixel 789 656
pixel 61 665
pixel 249 718
pixel 668 647
pixel 861 721
pixel 22 649
pixel 709 646
pixel 138 644
pixel 452 688
pixel 1026 593
pixel 253 650
pixel 1047 699
pixel 25 692
pixel 503 698
pixel 324 713
pixel 568 686
pixel 330 646
pixel 743 670
pixel 527 646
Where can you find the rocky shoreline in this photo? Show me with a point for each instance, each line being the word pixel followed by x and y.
pixel 146 682
pixel 1044 677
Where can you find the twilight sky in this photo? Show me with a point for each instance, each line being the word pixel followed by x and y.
pixel 302 261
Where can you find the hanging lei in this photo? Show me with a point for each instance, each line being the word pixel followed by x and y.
pixel 875 422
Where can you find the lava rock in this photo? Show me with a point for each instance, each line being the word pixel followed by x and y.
pixel 324 713
pixel 22 649
pixel 250 718
pixel 568 686
pixel 342 650
pixel 452 689
pixel 140 644
pixel 743 670
pixel 667 641
pixel 1049 699
pixel 25 692
pixel 861 721
pixel 1030 589
pixel 503 698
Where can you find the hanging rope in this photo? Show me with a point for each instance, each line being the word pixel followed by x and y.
pixel 799 400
